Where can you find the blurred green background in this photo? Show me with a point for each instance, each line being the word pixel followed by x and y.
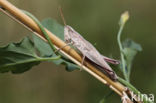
pixel 97 21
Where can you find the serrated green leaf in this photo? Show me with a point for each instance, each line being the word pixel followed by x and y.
pixel 45 50
pixel 18 57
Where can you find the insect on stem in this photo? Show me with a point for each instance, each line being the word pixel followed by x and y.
pixel 87 50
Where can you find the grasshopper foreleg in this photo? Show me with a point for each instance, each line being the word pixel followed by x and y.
pixel 63 47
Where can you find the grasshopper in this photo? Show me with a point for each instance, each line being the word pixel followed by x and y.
pixel 87 50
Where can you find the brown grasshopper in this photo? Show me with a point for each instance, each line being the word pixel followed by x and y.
pixel 88 50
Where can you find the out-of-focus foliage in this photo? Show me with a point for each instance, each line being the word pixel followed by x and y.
pixel 130 49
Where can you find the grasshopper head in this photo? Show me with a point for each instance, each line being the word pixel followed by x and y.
pixel 69 34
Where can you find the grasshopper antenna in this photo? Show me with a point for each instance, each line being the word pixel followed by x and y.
pixel 62 16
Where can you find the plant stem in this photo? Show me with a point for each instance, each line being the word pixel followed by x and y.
pixel 128 85
pixel 45 59
pixel 129 71
pixel 42 29
pixel 121 52
pixel 35 59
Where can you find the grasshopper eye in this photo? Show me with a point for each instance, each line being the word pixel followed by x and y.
pixel 68 40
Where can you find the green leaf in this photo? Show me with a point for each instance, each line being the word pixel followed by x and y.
pixel 22 56
pixel 128 43
pixel 45 50
pixel 129 55
pixel 53 26
pixel 130 49
pixel 18 57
